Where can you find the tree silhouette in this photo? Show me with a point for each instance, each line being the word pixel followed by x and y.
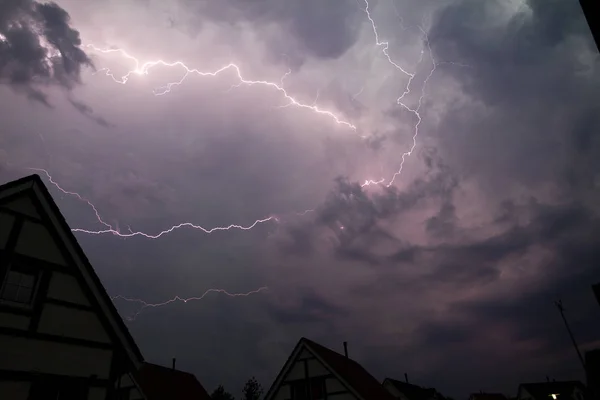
pixel 221 394
pixel 252 390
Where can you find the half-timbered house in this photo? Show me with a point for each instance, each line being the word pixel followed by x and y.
pixel 314 372
pixel 60 334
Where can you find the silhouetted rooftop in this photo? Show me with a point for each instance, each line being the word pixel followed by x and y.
pixel 352 372
pixel 160 382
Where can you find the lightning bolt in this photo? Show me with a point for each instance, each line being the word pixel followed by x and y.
pixel 89 203
pixel 144 69
pixel 400 101
pixel 145 305
pixel 112 230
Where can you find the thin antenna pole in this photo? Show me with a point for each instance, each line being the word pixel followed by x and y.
pixel 561 309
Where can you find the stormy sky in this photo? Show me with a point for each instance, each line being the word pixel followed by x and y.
pixel 449 274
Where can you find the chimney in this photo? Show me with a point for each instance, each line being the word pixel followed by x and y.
pixel 173 364
pixel 406 377
pixel 346 349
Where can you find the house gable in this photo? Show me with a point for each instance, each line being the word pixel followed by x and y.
pixel 342 377
pixel 70 312
pixel 304 365
pixel 566 390
pixel 21 204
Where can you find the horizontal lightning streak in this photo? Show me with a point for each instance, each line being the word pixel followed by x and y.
pixel 144 68
pixel 174 227
pixel 145 304
pixel 110 229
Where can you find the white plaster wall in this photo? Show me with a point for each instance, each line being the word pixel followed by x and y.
pixel 6 224
pixel 8 320
pixel 524 394
pixel 126 381
pixel 23 205
pixel 65 287
pixel 296 372
pixel 14 390
pixel 68 322
pixel 22 354
pixel 391 389
pixel 315 368
pixel 35 241
pixel 134 394
pixel 333 385
pixel 283 393
pixel 97 393
pixel 71 248
pixel 304 353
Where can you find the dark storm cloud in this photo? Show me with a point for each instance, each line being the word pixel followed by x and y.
pixel 442 224
pixel 463 300
pixel 570 231
pixel 538 83
pixel 310 308
pixel 38 47
pixel 544 53
pixel 528 321
pixel 88 112
pixel 506 57
pixel 312 27
pixel 517 334
pixel 354 214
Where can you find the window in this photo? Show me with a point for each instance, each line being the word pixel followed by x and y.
pixel 317 389
pixel 123 393
pixel 18 286
pixel 59 389
pixel 299 390
pixel 309 390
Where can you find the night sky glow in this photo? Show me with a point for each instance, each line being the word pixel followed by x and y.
pixel 418 178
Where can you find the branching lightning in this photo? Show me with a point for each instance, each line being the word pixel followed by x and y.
pixel 145 305
pixel 145 67
pixel 415 111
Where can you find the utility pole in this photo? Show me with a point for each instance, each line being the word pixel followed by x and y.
pixel 560 307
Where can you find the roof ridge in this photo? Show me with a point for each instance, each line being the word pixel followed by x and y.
pixel 350 371
pixel 152 365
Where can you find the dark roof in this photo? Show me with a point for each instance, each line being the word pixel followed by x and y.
pixel 543 390
pixel 413 392
pixel 488 396
pixel 159 383
pixel 35 180
pixel 351 372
